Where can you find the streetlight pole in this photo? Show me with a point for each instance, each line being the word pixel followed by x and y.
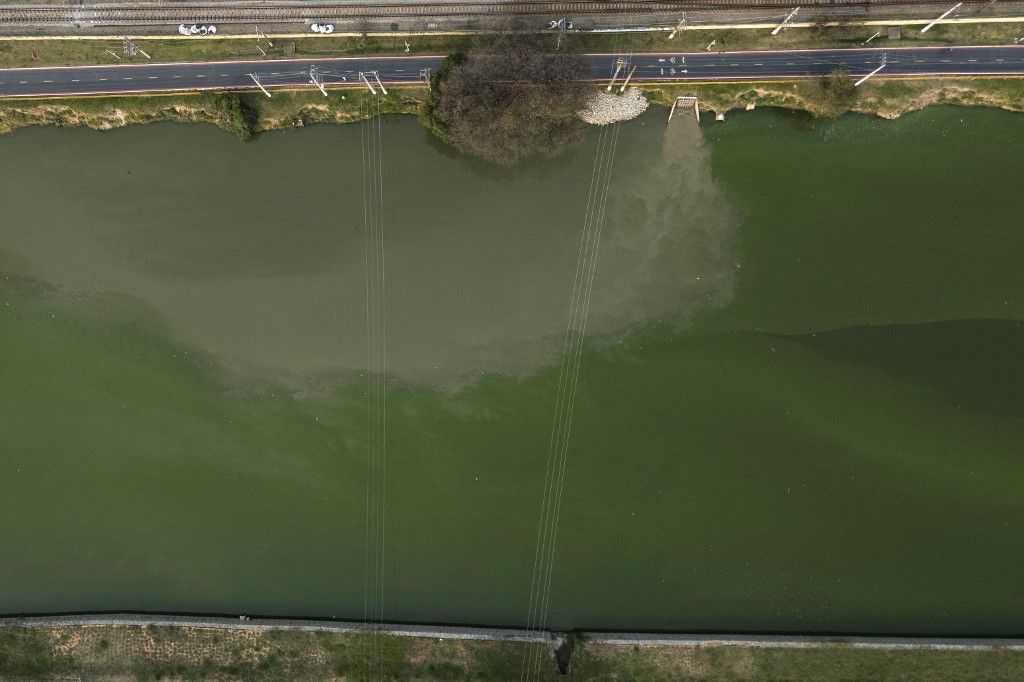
pixel 872 73
pixel 256 80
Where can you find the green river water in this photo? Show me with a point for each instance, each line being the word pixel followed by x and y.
pixel 800 409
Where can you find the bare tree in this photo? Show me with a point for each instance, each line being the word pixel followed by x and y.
pixel 515 97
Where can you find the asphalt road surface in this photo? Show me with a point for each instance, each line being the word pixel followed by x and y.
pixel 663 67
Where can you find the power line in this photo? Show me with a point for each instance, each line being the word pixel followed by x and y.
pixel 565 394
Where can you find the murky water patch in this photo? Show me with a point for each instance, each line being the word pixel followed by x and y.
pixel 256 255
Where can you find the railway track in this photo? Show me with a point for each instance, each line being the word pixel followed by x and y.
pixel 135 14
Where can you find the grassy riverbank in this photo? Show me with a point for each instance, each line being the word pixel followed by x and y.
pixel 885 98
pixel 254 113
pixel 150 653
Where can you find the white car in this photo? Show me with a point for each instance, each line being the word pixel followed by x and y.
pixel 322 28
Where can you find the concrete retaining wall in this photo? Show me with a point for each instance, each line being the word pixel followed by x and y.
pixel 515 635
pixel 245 623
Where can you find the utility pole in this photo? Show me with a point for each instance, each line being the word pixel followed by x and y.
pixel 710 45
pixel 678 28
pixel 115 55
pixel 626 82
pixel 877 33
pixel 785 21
pixel 619 64
pixel 872 73
pixel 256 80
pixel 260 33
pixel 942 16
pixel 379 83
pixel 314 78
pixel 363 77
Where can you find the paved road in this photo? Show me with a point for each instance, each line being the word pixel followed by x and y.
pixel 675 67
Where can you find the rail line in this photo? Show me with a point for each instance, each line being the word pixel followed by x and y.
pixel 116 14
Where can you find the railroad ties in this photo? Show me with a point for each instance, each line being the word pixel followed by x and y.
pixel 140 14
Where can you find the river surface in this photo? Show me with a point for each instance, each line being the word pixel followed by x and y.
pixel 799 407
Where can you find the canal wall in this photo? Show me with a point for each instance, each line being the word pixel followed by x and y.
pixel 513 634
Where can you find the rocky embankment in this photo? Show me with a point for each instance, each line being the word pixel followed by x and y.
pixel 611 107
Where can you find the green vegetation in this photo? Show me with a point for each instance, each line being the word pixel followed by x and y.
pixel 242 114
pixel 824 99
pixel 160 653
pixel 430 114
pixel 834 94
pixel 15 53
pixel 238 115
pixel 510 99
pixel 830 662
pixel 28 653
pixel 156 653
pixel 249 113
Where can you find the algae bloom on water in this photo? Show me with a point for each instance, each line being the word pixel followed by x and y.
pixel 798 403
